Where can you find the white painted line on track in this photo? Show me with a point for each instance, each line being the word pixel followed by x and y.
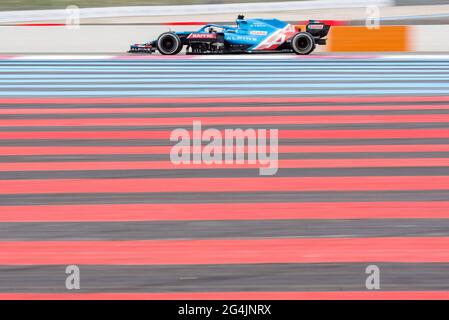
pixel 62 57
pixel 417 57
pixel 229 57
pixel 246 57
pixel 189 57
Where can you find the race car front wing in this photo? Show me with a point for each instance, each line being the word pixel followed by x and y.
pixel 142 48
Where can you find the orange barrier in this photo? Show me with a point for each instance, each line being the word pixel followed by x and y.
pixel 358 38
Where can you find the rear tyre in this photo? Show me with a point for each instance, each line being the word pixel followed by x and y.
pixel 303 43
pixel 169 43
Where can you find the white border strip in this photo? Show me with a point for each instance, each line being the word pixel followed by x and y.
pixel 62 57
pixel 40 15
pixel 195 57
pixel 230 57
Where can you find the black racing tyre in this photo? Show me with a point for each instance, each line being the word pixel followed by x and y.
pixel 169 43
pixel 303 43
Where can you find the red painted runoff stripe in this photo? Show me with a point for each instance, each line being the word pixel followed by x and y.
pixel 236 251
pixel 227 120
pixel 282 134
pixel 129 100
pixel 241 295
pixel 236 108
pixel 85 150
pixel 283 163
pixel 91 150
pixel 304 184
pixel 225 211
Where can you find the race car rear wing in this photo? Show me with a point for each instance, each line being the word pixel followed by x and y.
pixel 317 29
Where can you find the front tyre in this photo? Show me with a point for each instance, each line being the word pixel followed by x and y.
pixel 303 43
pixel 169 43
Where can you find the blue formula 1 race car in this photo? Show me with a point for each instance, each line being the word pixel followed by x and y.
pixel 249 36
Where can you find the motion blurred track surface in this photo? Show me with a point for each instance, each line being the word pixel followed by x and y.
pixel 86 179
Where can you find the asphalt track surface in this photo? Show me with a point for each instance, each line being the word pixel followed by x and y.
pixel 86 178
